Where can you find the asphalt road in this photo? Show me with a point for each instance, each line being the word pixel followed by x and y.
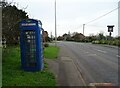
pixel 95 63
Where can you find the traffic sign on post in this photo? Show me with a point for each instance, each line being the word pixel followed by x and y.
pixel 110 30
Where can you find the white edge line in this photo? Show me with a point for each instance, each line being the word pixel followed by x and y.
pixel 102 51
pixel 117 55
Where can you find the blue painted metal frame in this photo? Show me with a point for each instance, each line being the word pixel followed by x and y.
pixel 38 41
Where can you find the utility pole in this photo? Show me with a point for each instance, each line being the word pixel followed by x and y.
pixel 55 25
pixel 51 36
pixel 118 33
pixel 83 28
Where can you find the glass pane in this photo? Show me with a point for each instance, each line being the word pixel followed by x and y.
pixel 30 48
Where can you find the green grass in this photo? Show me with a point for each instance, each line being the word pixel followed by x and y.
pixel 51 52
pixel 13 75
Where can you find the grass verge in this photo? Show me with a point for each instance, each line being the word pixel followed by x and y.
pixel 108 42
pixel 51 52
pixel 14 76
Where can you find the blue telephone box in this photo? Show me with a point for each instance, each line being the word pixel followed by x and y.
pixel 31 45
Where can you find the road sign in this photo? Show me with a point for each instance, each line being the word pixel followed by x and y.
pixel 110 28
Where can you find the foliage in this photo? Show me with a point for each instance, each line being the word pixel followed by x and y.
pixel 11 16
pixel 115 42
pixel 90 38
pixel 95 39
pixel 46 45
pixel 13 75
pixel 74 37
pixel 48 39
pixel 100 36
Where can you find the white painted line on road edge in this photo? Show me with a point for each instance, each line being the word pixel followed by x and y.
pixel 117 55
pixel 79 72
pixel 101 51
pixel 91 55
pixel 86 52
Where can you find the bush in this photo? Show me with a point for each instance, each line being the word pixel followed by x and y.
pixel 46 45
pixel 115 42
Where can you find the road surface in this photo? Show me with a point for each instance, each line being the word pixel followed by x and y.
pixel 94 63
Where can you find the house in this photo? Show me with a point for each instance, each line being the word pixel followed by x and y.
pixel 78 37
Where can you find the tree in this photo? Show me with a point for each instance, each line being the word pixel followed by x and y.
pixel 11 16
pixel 91 38
pixel 46 38
pixel 100 36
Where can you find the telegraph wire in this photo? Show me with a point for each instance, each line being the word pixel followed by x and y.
pixel 71 27
pixel 96 26
pixel 102 16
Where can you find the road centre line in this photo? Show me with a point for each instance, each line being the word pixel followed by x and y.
pixel 86 52
pixel 101 51
pixel 91 55
pixel 117 55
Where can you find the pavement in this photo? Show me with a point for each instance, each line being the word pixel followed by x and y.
pixel 65 70
pixel 80 64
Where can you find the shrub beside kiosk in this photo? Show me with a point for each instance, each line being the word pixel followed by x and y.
pixel 31 45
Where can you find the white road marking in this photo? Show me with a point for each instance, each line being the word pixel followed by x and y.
pixel 101 51
pixel 91 55
pixel 117 55
pixel 86 52
pixel 80 73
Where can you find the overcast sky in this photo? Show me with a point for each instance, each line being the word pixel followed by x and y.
pixel 72 14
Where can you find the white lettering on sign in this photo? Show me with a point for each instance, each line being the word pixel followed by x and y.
pixel 28 24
